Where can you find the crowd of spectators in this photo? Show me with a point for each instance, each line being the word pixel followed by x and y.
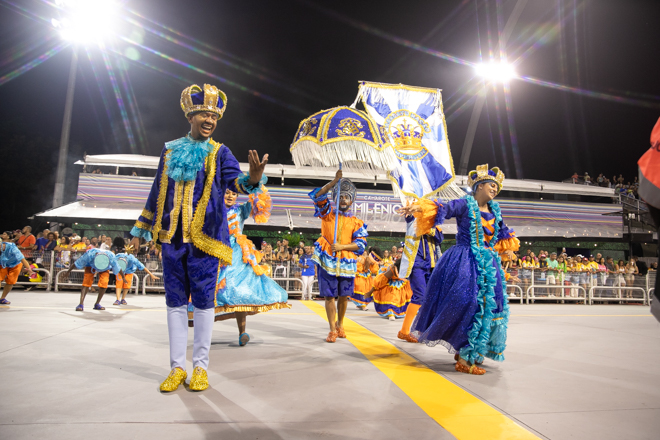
pixel 552 268
pixel 620 184
pixel 68 247
pixel 283 255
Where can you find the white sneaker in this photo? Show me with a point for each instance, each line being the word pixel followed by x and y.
pixel 392 318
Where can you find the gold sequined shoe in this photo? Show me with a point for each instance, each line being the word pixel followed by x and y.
pixel 200 380
pixel 176 378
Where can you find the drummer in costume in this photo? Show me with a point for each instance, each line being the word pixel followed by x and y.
pixel 11 263
pixel 465 308
pixel 96 261
pixel 367 269
pixel 337 261
pixel 129 265
pixel 391 293
pixel 244 288
pixel 186 214
pixel 420 254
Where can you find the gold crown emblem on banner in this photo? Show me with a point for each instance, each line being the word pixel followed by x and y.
pixel 406 139
pixel 482 174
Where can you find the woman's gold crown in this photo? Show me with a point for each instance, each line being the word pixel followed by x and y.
pixel 482 174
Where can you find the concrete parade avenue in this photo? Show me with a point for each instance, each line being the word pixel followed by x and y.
pixel 571 372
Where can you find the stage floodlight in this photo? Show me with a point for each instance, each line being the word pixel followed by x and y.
pixel 86 21
pixel 496 72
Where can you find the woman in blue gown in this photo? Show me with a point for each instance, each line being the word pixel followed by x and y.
pixel 244 288
pixel 465 308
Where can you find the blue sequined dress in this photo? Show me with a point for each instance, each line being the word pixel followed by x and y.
pixel 244 285
pixel 465 308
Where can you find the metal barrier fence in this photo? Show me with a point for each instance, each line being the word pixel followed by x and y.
pixel 582 286
pixel 513 295
pixel 45 281
pixel 535 284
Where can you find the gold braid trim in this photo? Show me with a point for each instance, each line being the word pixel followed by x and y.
pixel 166 236
pixel 147 214
pixel 143 225
pixel 202 241
pixel 249 308
pixel 187 209
pixel 162 193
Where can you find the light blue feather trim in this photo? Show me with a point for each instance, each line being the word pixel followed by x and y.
pixel 487 335
pixel 141 233
pixel 187 157
pixel 243 180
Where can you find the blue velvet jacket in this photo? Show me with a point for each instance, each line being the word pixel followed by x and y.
pixel 199 204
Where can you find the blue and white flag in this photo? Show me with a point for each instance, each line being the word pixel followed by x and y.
pixel 410 120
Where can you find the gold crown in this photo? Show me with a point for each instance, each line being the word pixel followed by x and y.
pixel 210 99
pixel 407 140
pixel 481 174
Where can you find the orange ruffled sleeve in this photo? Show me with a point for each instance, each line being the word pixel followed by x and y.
pixel 261 205
pixel 426 217
pixel 507 244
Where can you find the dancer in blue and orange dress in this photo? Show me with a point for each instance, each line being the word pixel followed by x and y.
pixel 245 288
pixel 465 308
pixel 391 293
pixel 337 261
pixel 367 269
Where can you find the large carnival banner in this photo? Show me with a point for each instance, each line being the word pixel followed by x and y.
pixel 411 121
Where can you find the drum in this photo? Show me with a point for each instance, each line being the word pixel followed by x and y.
pixel 122 264
pixel 101 262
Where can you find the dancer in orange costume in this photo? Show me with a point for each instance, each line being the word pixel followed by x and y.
pixel 367 269
pixel 337 261
pixel 391 293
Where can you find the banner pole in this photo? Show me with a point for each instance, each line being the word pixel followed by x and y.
pixel 335 254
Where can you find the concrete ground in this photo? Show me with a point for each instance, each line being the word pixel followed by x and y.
pixel 572 372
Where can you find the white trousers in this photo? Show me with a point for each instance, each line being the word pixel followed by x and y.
pixel 177 326
pixel 307 282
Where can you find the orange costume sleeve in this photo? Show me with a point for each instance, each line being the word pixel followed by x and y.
pixel 426 216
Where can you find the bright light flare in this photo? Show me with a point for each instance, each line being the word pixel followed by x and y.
pixel 496 72
pixel 86 21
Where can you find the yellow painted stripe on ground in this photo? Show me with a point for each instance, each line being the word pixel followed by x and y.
pixel 456 410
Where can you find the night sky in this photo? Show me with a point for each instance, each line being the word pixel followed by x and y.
pixel 279 61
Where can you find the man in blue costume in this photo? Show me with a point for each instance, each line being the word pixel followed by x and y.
pixel 185 213
pixel 420 254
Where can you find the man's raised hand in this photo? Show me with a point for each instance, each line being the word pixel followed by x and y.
pixel 257 166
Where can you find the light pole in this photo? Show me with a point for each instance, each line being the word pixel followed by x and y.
pixel 80 22
pixel 58 196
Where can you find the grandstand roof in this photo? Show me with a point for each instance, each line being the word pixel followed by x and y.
pixel 293 172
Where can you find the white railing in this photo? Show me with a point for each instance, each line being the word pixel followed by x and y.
pixel 569 287
pixel 618 294
pixel 45 281
pixel 512 295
